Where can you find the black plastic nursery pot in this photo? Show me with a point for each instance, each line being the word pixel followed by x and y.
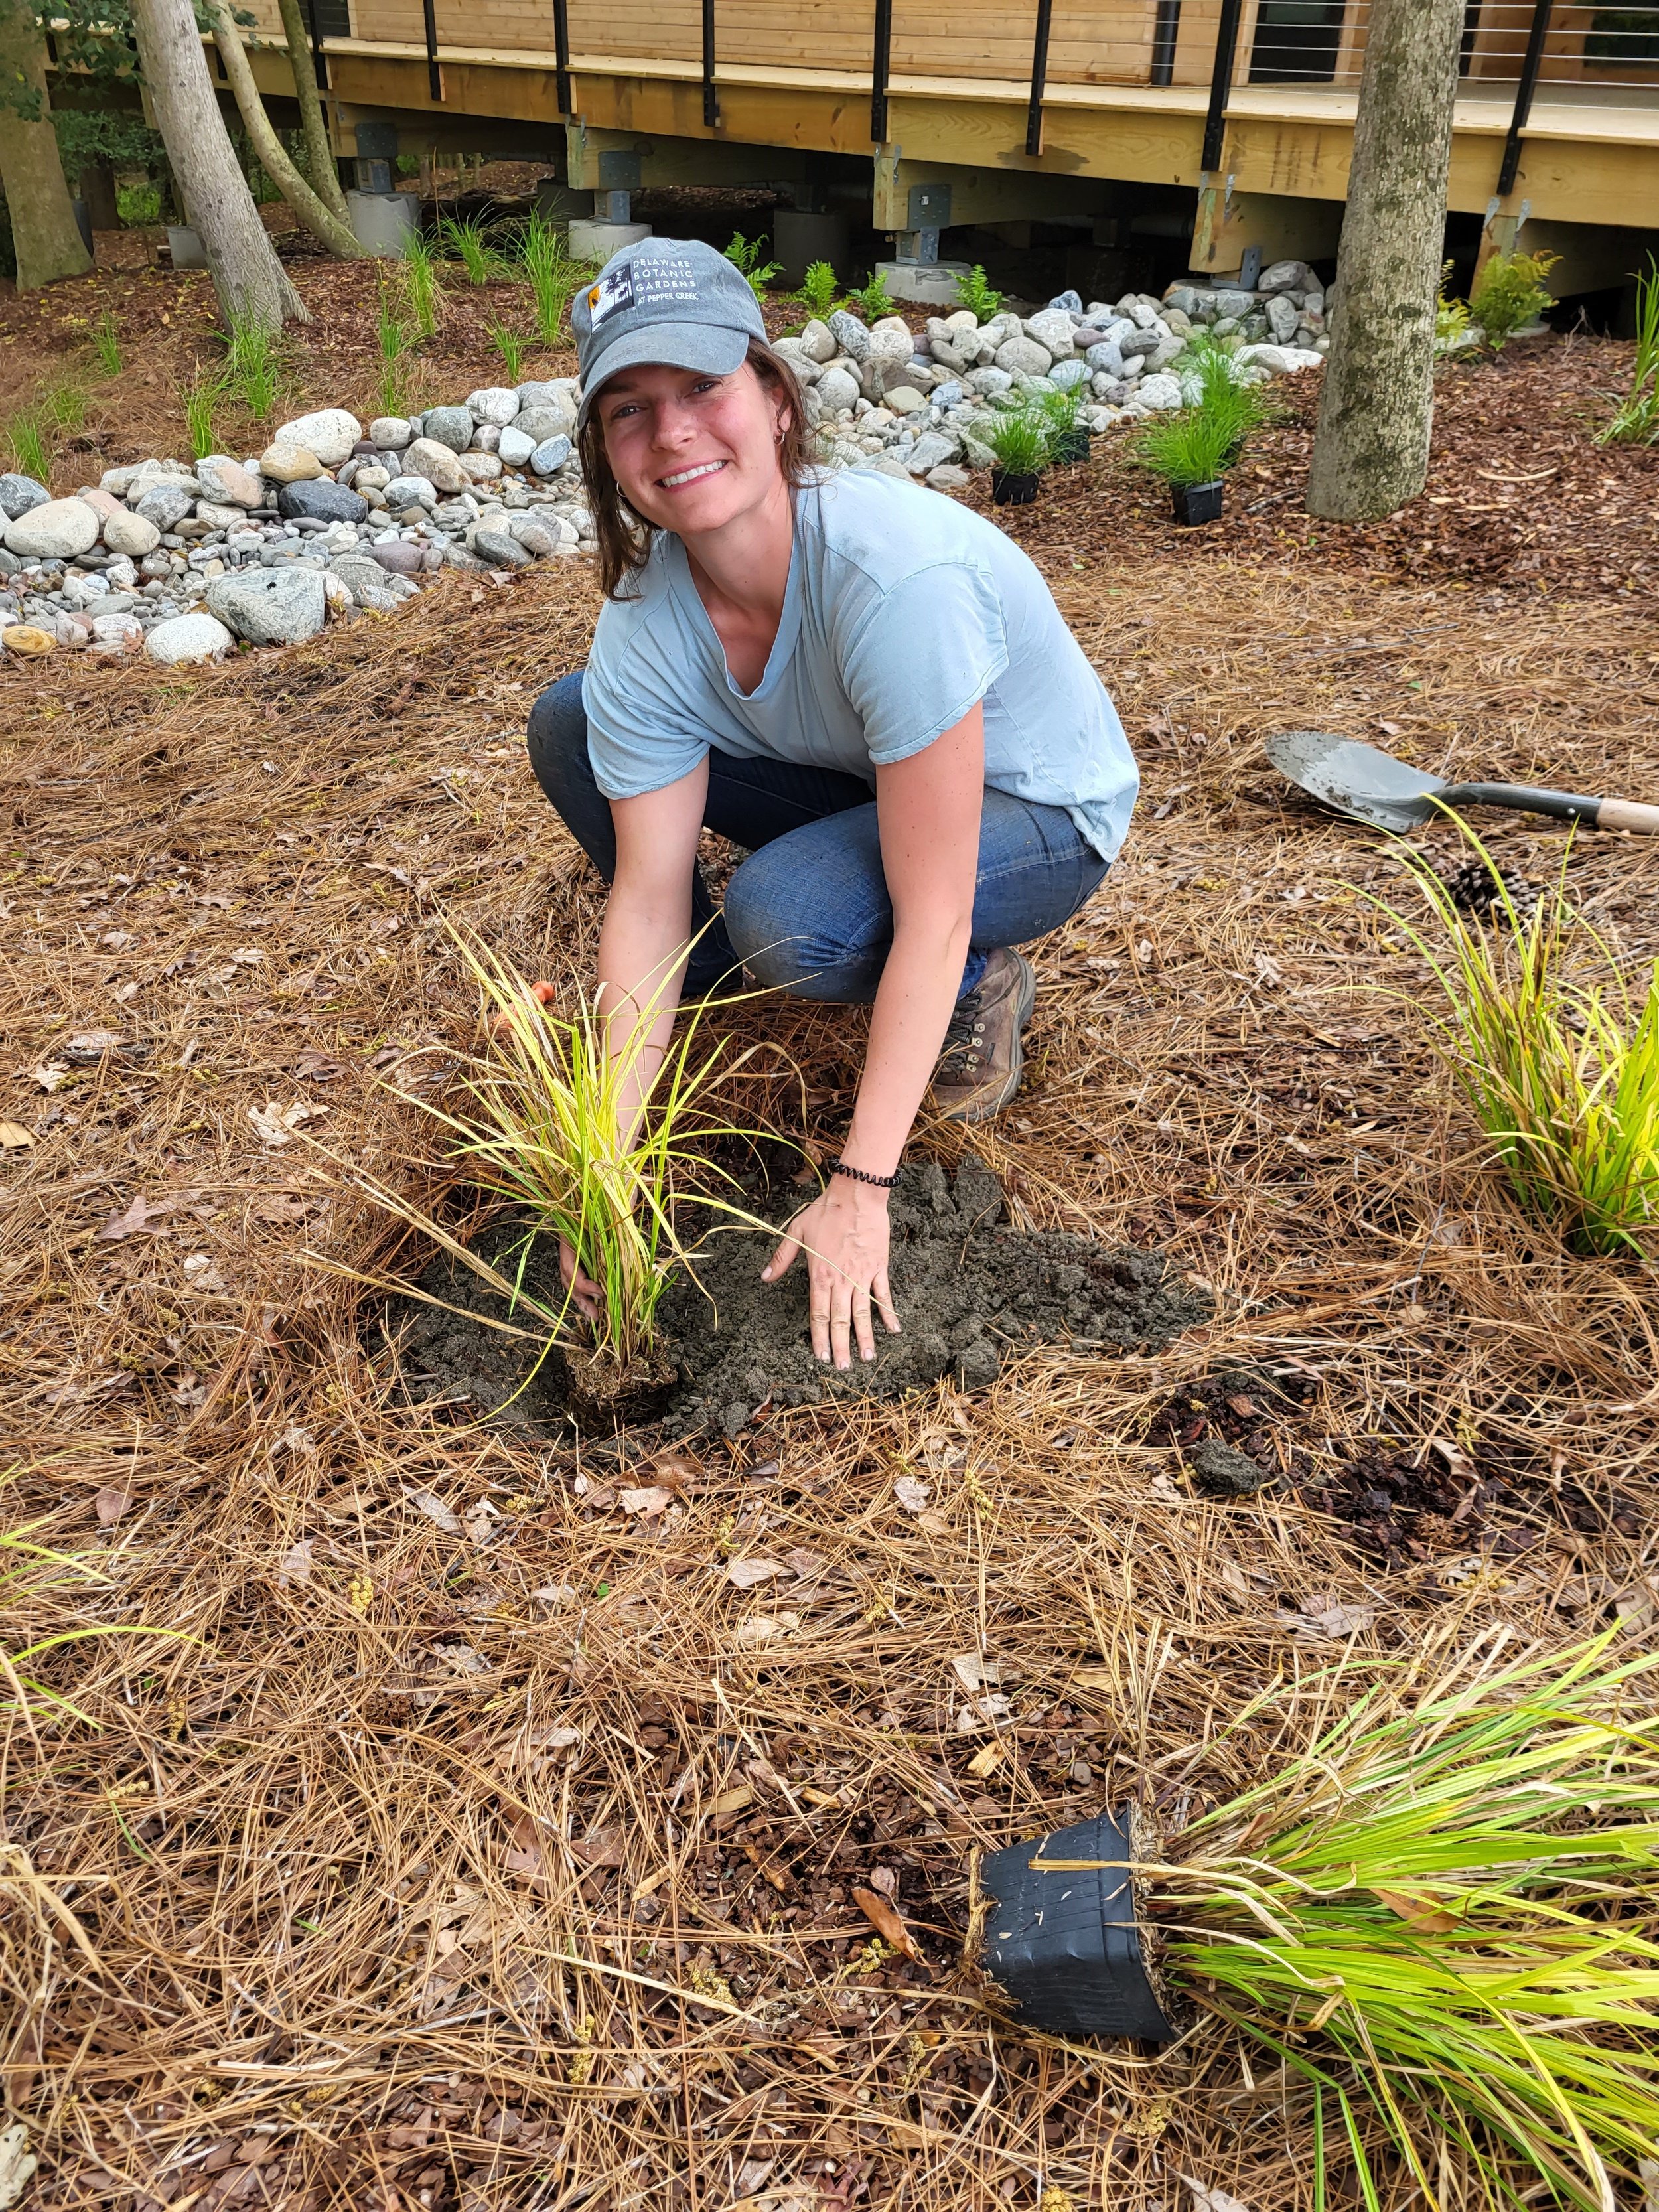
pixel 1198 503
pixel 1072 445
pixel 1010 490
pixel 1056 1927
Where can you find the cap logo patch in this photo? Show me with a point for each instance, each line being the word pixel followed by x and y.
pixel 614 291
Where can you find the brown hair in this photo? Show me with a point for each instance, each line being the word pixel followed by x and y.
pixel 624 539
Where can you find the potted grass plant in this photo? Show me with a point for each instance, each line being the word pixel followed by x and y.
pixel 560 1120
pixel 1441 1920
pixel 1019 439
pixel 1193 448
pixel 1069 439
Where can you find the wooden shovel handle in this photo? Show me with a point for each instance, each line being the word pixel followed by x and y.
pixel 1628 814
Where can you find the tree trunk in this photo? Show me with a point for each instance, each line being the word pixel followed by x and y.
pixel 324 177
pixel 251 284
pixel 1377 405
pixel 44 232
pixel 325 226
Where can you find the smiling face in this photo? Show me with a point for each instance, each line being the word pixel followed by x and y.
pixel 692 452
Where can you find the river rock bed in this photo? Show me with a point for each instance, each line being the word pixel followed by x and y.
pixel 969 1291
pixel 184 560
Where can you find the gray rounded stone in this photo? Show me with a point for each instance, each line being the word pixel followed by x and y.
pixel 516 448
pixel 850 334
pixel 134 535
pixel 493 403
pixel 166 505
pixel 410 491
pixel 55 530
pixel 440 465
pixel 837 391
pixel 227 484
pixel 1024 353
pixel 500 548
pixel 550 456
pixel 448 426
pixel 391 433
pixel 18 494
pixel 187 638
pixel 270 607
pixel 331 434
pixel 551 419
pixel 321 501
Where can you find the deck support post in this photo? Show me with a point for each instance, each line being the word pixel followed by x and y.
pixel 1509 168
pixel 711 99
pixel 434 76
pixel 880 61
pixel 1039 80
pixel 1221 84
pixel 561 57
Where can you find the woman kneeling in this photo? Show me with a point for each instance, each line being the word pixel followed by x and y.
pixel 864 683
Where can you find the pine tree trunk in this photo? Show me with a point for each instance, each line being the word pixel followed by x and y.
pixel 44 232
pixel 251 284
pixel 325 226
pixel 1377 405
pixel 324 177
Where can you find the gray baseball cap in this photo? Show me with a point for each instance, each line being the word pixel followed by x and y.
pixel 672 301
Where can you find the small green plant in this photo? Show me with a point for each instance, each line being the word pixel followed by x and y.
pixel 1062 409
pixel 202 403
pixel 106 343
pixel 511 345
pixel 872 301
pixel 253 367
pixel 421 285
pixel 553 277
pixel 64 406
pixel 819 287
pixel 139 204
pixel 744 255
pixel 1453 330
pixel 394 342
pixel 25 436
pixel 976 295
pixel 1441 1920
pixel 469 244
pixel 1019 438
pixel 1562 1074
pixel 1636 421
pixel 1510 292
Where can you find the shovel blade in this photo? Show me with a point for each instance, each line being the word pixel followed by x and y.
pixel 1355 779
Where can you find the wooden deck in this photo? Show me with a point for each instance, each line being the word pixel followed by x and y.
pixel 797 75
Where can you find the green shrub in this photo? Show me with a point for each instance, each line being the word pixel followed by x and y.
pixel 253 367
pixel 976 295
pixel 395 341
pixel 1192 446
pixel 203 400
pixel 139 204
pixel 1509 292
pixel 744 255
pixel 510 344
pixel 469 244
pixel 873 301
pixel 819 287
pixel 421 283
pixel 25 436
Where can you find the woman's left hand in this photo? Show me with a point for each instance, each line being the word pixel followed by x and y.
pixel 844 1234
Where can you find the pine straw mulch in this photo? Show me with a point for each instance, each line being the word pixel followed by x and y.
pixel 1519 497
pixel 433 1871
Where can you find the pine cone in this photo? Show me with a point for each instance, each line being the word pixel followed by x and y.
pixel 1476 889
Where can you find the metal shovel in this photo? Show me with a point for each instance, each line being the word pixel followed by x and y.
pixel 1369 786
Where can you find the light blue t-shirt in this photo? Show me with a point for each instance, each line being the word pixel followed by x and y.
pixel 902 609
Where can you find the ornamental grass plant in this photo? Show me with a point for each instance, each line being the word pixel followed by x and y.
pixel 1635 421
pixel 1020 438
pixel 1444 1916
pixel 543 1120
pixel 1561 1072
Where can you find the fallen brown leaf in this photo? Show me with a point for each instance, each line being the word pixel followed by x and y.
pixel 887 1922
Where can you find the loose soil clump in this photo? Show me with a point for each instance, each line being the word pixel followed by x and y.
pixel 969 1292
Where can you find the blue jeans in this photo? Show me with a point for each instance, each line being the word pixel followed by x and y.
pixel 808 911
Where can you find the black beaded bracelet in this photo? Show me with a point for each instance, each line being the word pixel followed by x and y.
pixel 861 1174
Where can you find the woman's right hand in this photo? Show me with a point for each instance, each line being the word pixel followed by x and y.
pixel 586 1297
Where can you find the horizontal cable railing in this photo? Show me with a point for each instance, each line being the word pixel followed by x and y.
pixel 1515 55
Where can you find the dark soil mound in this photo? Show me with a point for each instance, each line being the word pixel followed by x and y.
pixel 968 1291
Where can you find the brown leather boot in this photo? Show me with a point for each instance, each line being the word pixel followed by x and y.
pixel 979 1069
